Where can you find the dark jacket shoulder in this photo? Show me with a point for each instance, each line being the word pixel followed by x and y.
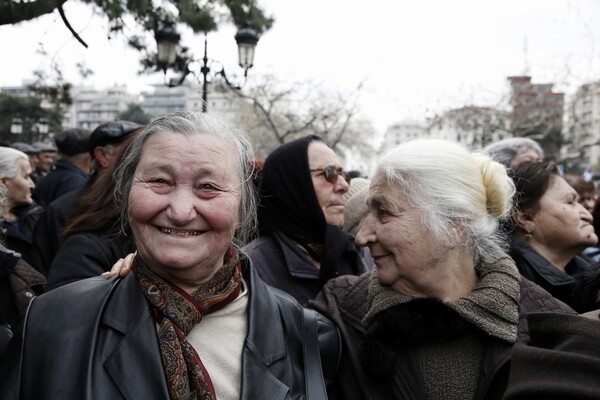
pixel 85 255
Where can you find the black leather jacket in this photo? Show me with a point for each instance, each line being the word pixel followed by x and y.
pixel 96 339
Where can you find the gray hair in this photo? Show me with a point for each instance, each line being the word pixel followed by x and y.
pixel 504 151
pixel 8 162
pixel 189 124
pixel 452 186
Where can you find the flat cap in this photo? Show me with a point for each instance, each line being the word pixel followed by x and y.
pixel 44 147
pixel 25 148
pixel 111 132
pixel 73 141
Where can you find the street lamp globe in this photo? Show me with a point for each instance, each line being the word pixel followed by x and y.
pixel 16 126
pixel 43 126
pixel 167 40
pixel 246 39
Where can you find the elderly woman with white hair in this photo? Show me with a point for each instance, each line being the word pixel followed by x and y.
pixel 21 212
pixel 440 313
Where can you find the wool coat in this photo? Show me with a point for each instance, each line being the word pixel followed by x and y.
pixel 344 300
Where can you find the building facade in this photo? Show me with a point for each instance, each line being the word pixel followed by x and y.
pixel 401 132
pixel 91 107
pixel 534 105
pixel 473 127
pixel 583 126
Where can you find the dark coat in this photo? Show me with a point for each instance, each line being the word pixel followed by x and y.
pixel 85 255
pixel 19 283
pixel 281 264
pixel 63 178
pixel 562 360
pixel 48 230
pixel 106 345
pixel 344 301
pixel 21 240
pixel 577 286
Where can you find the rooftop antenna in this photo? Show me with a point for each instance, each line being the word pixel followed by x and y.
pixel 525 55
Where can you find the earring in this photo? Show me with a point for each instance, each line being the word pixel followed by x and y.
pixel 528 236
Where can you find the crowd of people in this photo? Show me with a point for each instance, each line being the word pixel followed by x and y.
pixel 167 262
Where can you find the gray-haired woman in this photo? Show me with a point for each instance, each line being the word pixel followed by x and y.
pixel 21 213
pixel 514 151
pixel 193 320
pixel 439 315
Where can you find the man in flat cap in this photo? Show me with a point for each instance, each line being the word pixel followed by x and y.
pixel 106 144
pixel 71 171
pixel 46 156
pixel 107 140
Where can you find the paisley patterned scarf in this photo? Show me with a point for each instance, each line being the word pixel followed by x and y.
pixel 177 312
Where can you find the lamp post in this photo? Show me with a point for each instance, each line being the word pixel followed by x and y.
pixel 29 126
pixel 167 40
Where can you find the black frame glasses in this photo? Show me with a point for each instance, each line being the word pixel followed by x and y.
pixel 331 173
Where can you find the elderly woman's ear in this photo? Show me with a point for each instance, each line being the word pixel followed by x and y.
pixel 524 221
pixel 457 233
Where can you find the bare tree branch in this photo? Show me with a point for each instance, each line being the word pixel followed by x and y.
pixel 69 27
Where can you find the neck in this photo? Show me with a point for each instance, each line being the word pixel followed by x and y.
pixel 10 216
pixel 556 256
pixel 447 278
pixel 80 161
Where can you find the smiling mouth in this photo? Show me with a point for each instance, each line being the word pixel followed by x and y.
pixel 179 232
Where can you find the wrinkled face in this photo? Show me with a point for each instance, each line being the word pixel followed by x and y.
pixel 184 204
pixel 562 222
pixel 45 160
pixel 525 155
pixel 402 248
pixel 19 188
pixel 330 195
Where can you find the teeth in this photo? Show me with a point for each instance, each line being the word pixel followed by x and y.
pixel 182 233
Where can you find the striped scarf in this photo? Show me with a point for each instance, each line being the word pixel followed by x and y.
pixel 177 312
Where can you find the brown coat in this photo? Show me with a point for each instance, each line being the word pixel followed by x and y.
pixel 344 301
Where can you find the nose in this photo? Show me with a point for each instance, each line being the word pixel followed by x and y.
pixel 366 234
pixel 341 185
pixel 585 214
pixel 181 209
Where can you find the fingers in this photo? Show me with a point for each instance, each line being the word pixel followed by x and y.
pixel 122 267
pixel 127 264
pixel 114 270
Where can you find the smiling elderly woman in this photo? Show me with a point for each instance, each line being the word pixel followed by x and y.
pixel 193 320
pixel 439 315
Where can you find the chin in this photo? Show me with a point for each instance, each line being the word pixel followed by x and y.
pixel 335 221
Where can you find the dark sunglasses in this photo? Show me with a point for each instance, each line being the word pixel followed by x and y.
pixel 332 173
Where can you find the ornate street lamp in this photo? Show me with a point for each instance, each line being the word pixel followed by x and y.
pixel 29 127
pixel 167 39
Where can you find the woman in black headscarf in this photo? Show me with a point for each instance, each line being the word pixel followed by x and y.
pixel 301 244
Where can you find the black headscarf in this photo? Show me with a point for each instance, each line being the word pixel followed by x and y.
pixel 289 204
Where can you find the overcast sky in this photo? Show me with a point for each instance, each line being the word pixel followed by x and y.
pixel 415 58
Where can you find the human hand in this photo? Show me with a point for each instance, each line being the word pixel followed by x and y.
pixel 122 267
